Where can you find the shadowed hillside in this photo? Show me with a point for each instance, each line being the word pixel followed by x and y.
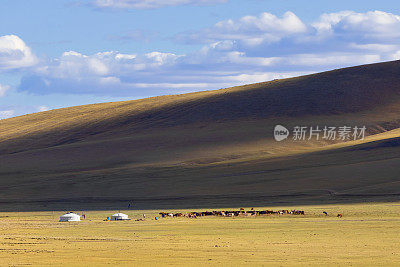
pixel 212 148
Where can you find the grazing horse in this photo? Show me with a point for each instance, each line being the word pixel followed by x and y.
pixel 232 213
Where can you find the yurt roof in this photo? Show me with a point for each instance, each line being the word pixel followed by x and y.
pixel 70 214
pixel 119 215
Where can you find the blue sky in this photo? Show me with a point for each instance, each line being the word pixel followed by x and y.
pixel 64 53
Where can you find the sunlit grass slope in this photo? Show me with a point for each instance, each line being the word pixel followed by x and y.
pixel 213 147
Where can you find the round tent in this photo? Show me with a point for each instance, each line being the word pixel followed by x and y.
pixel 70 217
pixel 119 217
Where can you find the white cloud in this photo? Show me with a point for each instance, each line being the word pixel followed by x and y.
pixel 329 20
pixel 14 53
pixel 249 30
pixel 150 4
pixel 104 73
pixel 74 64
pixel 3 89
pixel 373 25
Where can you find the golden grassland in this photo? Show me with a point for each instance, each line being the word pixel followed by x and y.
pixel 368 235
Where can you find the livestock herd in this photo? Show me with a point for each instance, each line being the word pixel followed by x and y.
pixel 231 213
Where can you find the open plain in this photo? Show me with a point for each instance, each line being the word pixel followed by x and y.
pixel 367 235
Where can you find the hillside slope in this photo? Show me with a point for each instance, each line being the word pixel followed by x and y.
pixel 210 148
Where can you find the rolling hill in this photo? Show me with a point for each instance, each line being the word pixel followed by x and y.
pixel 212 148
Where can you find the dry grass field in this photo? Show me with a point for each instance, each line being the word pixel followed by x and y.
pixel 367 235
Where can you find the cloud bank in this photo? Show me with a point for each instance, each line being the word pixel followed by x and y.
pixel 249 30
pixel 234 52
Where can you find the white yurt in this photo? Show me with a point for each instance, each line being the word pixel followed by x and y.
pixel 70 217
pixel 119 217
